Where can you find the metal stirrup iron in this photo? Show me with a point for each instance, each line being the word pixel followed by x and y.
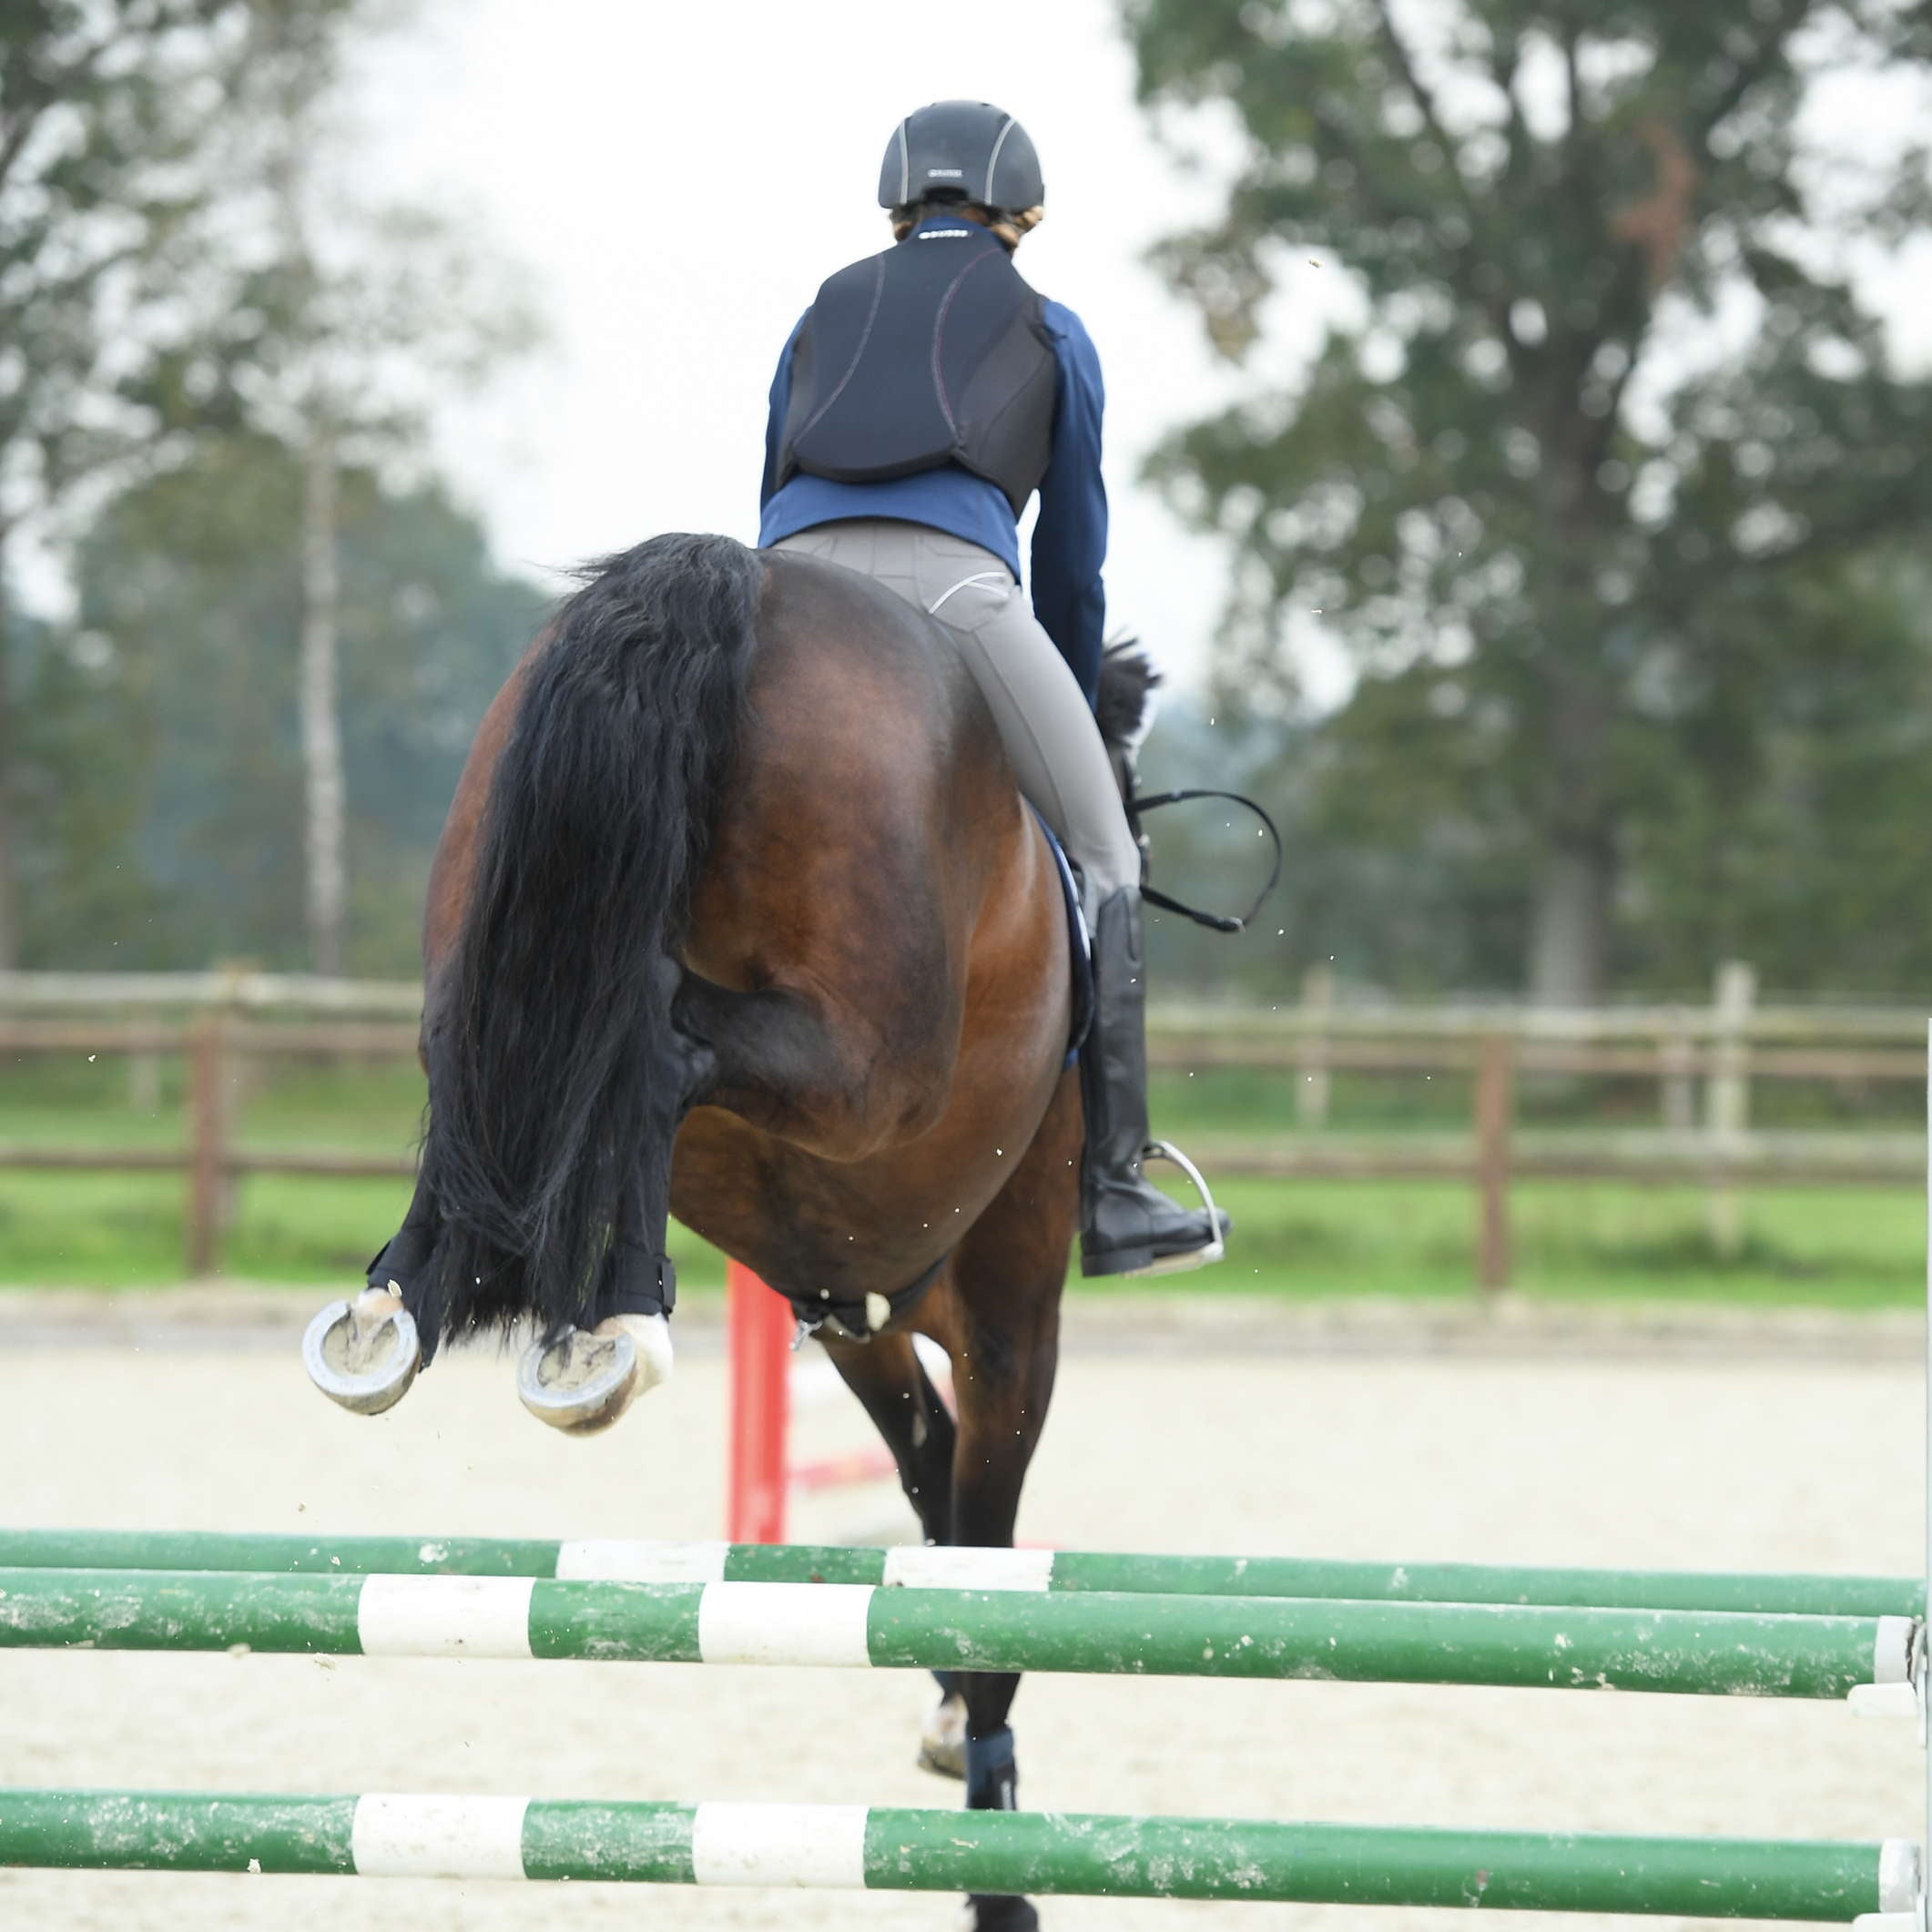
pixel 1191 1257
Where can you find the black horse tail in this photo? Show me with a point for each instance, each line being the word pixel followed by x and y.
pixel 556 1076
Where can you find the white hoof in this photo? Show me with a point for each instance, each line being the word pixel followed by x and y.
pixel 365 1354
pixel 942 1742
pixel 581 1383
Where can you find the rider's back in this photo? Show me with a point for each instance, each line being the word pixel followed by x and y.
pixel 934 352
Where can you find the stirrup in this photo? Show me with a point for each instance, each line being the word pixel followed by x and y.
pixel 1191 1257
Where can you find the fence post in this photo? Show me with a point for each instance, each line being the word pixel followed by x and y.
pixel 1495 1101
pixel 144 1073
pixel 208 1146
pixel 1727 1098
pixel 1311 1091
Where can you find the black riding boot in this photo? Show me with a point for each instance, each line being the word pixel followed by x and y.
pixel 1127 1226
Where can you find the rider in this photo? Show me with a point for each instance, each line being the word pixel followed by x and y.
pixel 923 398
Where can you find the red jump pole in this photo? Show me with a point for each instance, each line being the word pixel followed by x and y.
pixel 760 1325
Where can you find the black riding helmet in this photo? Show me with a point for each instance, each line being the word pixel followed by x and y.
pixel 961 150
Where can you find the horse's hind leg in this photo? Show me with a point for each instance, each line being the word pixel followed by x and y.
pixel 891 1384
pixel 1002 1382
pixel 1000 1321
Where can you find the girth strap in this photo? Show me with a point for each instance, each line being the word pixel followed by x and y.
pixel 850 1319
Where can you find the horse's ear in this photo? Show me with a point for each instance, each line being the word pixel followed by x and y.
pixel 1128 680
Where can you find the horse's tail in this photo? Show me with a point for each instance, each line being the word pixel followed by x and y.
pixel 550 1026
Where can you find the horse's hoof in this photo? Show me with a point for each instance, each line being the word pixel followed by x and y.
pixel 942 1742
pixel 994 1912
pixel 581 1383
pixel 364 1353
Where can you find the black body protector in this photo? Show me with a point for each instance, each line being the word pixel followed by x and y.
pixel 932 352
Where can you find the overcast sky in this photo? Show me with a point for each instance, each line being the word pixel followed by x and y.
pixel 676 181
pixel 679 180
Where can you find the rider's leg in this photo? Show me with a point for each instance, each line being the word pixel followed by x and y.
pixel 1048 729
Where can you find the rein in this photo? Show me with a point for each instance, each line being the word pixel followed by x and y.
pixel 1138 806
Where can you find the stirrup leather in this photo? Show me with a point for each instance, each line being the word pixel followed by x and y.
pixel 1193 1257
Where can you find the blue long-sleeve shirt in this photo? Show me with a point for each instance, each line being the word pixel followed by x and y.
pixel 1070 537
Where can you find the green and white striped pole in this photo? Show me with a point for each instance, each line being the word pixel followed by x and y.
pixel 857 1624
pixel 852 1848
pixel 618 1560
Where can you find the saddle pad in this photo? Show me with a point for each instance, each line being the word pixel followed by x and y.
pixel 1080 945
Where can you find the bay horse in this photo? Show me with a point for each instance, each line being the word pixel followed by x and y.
pixel 739 914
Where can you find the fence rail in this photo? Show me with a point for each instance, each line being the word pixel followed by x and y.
pixel 1319 1013
pixel 221 1021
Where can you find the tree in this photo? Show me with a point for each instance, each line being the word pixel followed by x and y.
pixel 1612 390
pixel 174 835
pixel 1799 844
pixel 111 115
pixel 81 735
pixel 363 310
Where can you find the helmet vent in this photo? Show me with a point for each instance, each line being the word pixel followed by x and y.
pixel 993 160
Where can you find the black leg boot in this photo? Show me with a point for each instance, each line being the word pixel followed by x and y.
pixel 992 1784
pixel 1127 1226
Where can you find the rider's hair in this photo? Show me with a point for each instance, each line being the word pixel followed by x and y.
pixel 1008 224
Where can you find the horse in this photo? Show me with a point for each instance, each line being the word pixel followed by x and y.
pixel 740 915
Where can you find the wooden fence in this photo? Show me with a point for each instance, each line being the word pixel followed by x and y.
pixel 220 1023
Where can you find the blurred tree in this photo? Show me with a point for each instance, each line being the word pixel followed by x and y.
pixel 112 114
pixel 364 313
pixel 1612 393
pixel 1798 842
pixel 80 738
pixel 180 727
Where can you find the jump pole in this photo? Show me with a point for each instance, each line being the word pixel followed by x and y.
pixel 1689 1652
pixel 923 1566
pixel 852 1848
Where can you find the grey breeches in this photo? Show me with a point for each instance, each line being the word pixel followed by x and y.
pixel 1036 701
